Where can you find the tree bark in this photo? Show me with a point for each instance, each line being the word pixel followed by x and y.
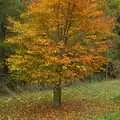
pixel 3 65
pixel 57 96
pixel 2 38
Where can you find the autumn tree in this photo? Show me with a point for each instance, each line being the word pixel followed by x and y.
pixel 59 41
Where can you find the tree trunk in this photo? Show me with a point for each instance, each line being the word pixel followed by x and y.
pixel 57 96
pixel 106 72
pixel 2 38
pixel 3 65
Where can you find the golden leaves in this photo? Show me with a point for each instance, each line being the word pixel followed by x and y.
pixel 47 28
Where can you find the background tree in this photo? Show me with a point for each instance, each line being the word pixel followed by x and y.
pixel 113 9
pixel 7 8
pixel 59 41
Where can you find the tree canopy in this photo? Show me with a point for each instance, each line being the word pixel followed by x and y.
pixel 60 40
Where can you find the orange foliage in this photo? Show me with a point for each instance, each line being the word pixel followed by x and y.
pixel 50 42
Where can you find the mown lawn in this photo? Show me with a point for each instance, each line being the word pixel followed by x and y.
pixel 93 101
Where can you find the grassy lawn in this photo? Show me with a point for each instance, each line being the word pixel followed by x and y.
pixel 93 101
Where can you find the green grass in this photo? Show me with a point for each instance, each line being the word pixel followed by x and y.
pixel 91 101
pixel 106 90
pixel 110 116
